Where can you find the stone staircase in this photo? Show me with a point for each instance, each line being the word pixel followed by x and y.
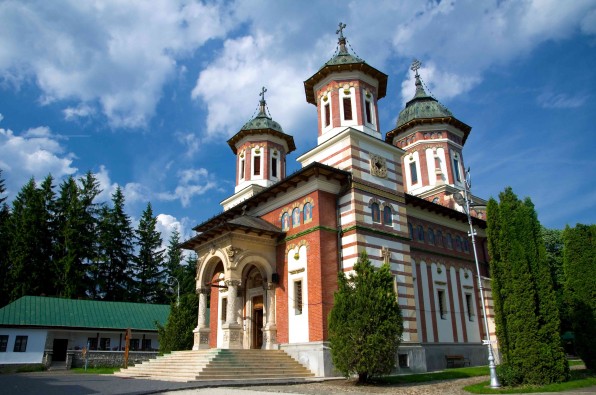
pixel 219 364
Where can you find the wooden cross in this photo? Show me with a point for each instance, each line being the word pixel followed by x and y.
pixel 340 31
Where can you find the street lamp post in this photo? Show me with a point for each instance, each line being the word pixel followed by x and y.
pixel 466 201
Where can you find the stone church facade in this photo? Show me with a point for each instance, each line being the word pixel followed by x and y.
pixel 267 265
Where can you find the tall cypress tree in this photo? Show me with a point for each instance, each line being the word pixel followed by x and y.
pixel 116 251
pixel 580 288
pixel 526 311
pixel 148 264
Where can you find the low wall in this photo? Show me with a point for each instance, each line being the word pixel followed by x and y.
pixel 75 358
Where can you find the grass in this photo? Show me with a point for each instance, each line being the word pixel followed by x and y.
pixel 449 374
pixel 580 378
pixel 98 370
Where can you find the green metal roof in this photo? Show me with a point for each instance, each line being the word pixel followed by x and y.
pixel 422 106
pixel 56 312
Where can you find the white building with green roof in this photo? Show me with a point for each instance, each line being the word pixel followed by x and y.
pixel 37 329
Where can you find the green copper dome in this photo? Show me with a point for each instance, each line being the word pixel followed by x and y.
pixel 262 121
pixel 422 106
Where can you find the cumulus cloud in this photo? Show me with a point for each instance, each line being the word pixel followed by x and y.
pixel 80 111
pixel 36 153
pixel 191 183
pixel 117 54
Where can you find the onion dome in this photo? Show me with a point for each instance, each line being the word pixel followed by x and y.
pixel 344 61
pixel 262 123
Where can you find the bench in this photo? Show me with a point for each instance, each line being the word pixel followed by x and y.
pixel 456 361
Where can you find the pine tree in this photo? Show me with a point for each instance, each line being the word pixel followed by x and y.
pixel 174 268
pixel 4 245
pixel 526 311
pixel 88 192
pixel 580 288
pixel 115 251
pixel 365 323
pixel 148 264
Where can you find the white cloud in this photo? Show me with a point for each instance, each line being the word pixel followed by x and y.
pixel 191 141
pixel 117 54
pixel 80 111
pixel 560 100
pixel 35 153
pixel 1 117
pixel 191 183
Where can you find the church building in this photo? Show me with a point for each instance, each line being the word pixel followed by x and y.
pixel 268 264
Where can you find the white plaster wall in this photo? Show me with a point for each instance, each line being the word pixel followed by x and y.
pixel 407 160
pixel 430 166
pixel 456 298
pixel 472 329
pixel 220 319
pixel 298 323
pixel 429 314
pixel 444 328
pixel 35 345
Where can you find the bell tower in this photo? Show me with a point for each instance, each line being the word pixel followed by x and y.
pixel 261 148
pixel 346 90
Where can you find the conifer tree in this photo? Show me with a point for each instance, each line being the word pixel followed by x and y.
pixel 4 244
pixel 527 319
pixel 148 264
pixel 580 288
pixel 174 268
pixel 88 192
pixel 365 323
pixel 115 250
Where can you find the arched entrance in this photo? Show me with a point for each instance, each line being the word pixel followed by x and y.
pixel 254 307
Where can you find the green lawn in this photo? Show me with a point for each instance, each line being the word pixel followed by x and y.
pixel 104 370
pixel 449 374
pixel 579 379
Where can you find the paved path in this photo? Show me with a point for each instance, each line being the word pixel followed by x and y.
pixel 54 383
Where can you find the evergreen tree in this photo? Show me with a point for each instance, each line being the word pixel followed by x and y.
pixel 527 318
pixel 88 240
pixel 174 268
pixel 30 254
pixel 365 323
pixel 580 288
pixel 178 334
pixel 148 264
pixel 4 245
pixel 115 251
pixel 553 241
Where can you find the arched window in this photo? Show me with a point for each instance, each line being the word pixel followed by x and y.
pixel 411 230
pixel 458 243
pixel 296 217
pixel 449 241
pixel 431 236
pixel 420 233
pixel 440 240
pixel 375 212
pixel 285 221
pixel 387 216
pixel 307 212
pixel 466 245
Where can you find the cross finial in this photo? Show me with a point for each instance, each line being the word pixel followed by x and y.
pixel 340 31
pixel 415 66
pixel 262 94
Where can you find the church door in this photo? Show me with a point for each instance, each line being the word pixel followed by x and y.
pixel 257 322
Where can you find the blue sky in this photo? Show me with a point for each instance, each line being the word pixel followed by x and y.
pixel 145 94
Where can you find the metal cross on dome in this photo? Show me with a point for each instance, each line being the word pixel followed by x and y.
pixel 262 94
pixel 415 66
pixel 340 31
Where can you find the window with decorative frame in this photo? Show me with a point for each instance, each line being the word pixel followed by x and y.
pixel 296 217
pixel 431 236
pixel 388 216
pixel 449 241
pixel 439 238
pixel 375 212
pixel 285 221
pixel 420 230
pixel 411 230
pixel 442 306
pixel 458 243
pixel 347 104
pixel 256 165
pixel 326 115
pixel 307 212
pixel 298 297
pixel 470 307
pixel 413 173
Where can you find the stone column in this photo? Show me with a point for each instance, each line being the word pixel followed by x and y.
pixel 201 332
pixel 232 330
pixel 270 329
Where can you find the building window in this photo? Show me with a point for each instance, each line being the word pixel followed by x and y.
pixel 327 114
pixel 441 299
pixel 146 344
pixel 458 243
pixel 104 343
pixel 274 167
pixel 242 169
pixel 387 216
pixel 420 230
pixel 413 173
pixel 256 165
pixel 439 238
pixel 307 212
pixel 285 221
pixel 134 345
pixel 376 212
pixel 298 297
pixel 449 241
pixel 296 217
pixel 466 245
pixel 224 309
pixel 431 236
pixel 411 230
pixel 470 307
pixel 20 344
pixel 3 342
pixel 347 108
pixel 92 343
pixel 456 169
pixel 403 360
pixel 368 111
